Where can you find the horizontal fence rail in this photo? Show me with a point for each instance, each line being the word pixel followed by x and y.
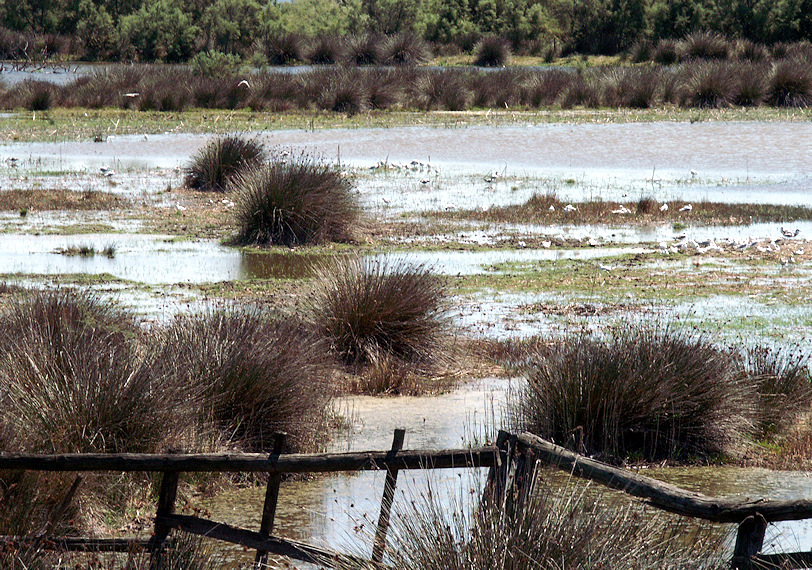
pixel 513 462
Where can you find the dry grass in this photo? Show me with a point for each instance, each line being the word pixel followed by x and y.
pixel 59 199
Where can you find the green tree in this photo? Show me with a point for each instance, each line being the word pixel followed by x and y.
pixel 96 30
pixel 160 31
pixel 230 26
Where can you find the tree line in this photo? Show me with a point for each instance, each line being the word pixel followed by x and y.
pixel 176 30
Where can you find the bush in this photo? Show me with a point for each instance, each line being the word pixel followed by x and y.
pixel 364 50
pixel 784 385
pixel 283 49
pixel 791 84
pixel 256 375
pixel 544 88
pixel 704 45
pixel 406 48
pixel 446 90
pixel 752 85
pixel 217 163
pixel 647 392
pixel 566 524
pixel 325 50
pixel 370 310
pixel 294 200
pixel 214 64
pixel 709 85
pixel 497 89
pixel 666 52
pixel 340 90
pixel 751 51
pixel 75 380
pixel 492 51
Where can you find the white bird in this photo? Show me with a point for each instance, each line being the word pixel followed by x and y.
pixel 603 267
pixel 105 169
pixel 490 178
pixel 551 208
pixel 145 138
pixel 799 251
pixel 592 242
pixel 569 208
pixel 244 83
pixel 546 244
pixel 664 208
pixel 686 208
pixel 622 210
pixel 522 244
pixel 789 233
pixel 694 173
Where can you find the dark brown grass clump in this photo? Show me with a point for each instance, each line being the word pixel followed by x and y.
pixel 216 164
pixel 566 524
pixel 543 88
pixel 791 84
pixel 666 52
pixel 406 48
pixel 709 85
pixel 74 379
pixel 369 310
pixel 447 90
pixel 341 90
pixel 282 49
pixel 366 49
pixel 256 375
pixel 705 45
pixel 324 50
pixel 645 392
pixel 784 385
pixel 492 51
pixel 294 200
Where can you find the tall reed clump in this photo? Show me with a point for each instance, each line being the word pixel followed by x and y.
pixel 75 380
pixel 648 392
pixel 791 83
pixel 217 163
pixel 371 309
pixel 256 375
pixel 784 386
pixel 492 51
pixel 294 200
pixel 566 524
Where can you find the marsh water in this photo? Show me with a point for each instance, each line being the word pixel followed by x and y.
pixel 400 172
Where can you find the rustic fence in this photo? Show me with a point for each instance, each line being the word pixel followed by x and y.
pixel 513 462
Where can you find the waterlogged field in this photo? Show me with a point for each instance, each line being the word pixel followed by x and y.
pixel 537 229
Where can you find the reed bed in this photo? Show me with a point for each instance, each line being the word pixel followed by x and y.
pixel 694 83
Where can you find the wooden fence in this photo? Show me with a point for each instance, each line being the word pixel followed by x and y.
pixel 513 462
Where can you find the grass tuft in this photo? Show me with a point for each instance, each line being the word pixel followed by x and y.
pixel 216 164
pixel 406 48
pixel 294 200
pixel 373 310
pixel 647 391
pixel 791 84
pixel 492 51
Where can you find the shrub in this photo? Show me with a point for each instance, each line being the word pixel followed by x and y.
pixel 647 391
pixel 580 91
pixel 340 90
pixel 492 51
pixel 752 85
pixel 75 381
pixel 497 89
pixel 294 200
pixel 282 49
pixel 646 205
pixel 543 88
pixel 217 163
pixel 369 310
pixel 324 50
pixel 784 385
pixel 704 45
pixel 641 51
pixel 214 64
pixel 40 97
pixel 751 51
pixel 256 375
pixel 630 87
pixel 666 52
pixel 566 524
pixel 446 90
pixel 790 84
pixel 364 50
pixel 406 48
pixel 709 85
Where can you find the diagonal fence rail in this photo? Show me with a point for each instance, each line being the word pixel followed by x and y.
pixel 513 461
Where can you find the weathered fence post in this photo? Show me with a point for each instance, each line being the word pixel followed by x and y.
pixel 498 474
pixel 386 501
pixel 166 506
pixel 749 541
pixel 271 498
